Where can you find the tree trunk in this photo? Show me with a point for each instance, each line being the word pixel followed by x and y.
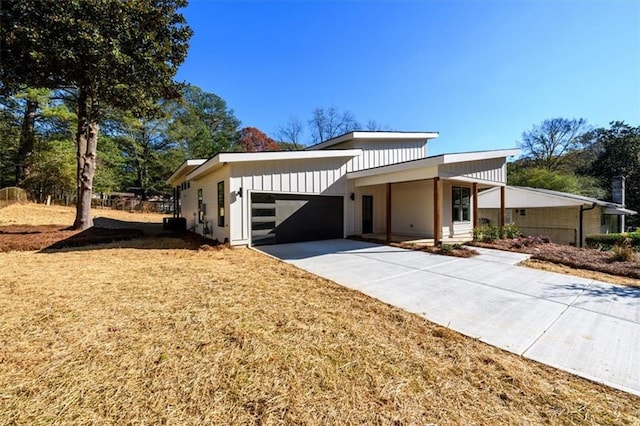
pixel 27 139
pixel 87 143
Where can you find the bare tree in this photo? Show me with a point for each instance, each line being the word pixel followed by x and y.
pixel 546 143
pixel 291 132
pixel 330 122
pixel 374 126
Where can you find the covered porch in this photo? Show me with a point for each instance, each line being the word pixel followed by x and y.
pixel 428 201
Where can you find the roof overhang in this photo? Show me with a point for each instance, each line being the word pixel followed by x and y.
pixel 184 169
pixel 223 159
pixel 522 197
pixel 437 160
pixel 620 211
pixel 387 136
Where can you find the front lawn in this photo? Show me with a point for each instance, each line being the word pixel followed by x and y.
pixel 157 330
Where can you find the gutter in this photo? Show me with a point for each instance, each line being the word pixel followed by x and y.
pixel 582 210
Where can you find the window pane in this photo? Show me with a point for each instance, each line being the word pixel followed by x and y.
pixel 466 204
pixel 221 203
pixel 455 203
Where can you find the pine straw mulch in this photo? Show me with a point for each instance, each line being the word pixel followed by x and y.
pixel 574 257
pixel 455 250
pixel 147 334
pixel 182 331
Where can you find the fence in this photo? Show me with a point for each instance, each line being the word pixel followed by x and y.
pixel 11 195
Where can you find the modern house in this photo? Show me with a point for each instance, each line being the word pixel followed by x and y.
pixel 565 218
pixel 362 183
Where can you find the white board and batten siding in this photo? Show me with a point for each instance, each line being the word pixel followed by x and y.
pixel 493 170
pixel 301 176
pixel 209 186
pixel 384 153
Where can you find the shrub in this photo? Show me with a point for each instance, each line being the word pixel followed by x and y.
pixel 446 248
pixel 622 251
pixel 606 242
pixel 487 233
pixel 510 231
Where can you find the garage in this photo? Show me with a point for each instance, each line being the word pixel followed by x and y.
pixel 289 218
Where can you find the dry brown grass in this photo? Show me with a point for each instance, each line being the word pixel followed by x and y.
pixel 40 214
pixel 112 335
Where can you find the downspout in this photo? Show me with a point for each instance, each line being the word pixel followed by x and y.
pixel 582 210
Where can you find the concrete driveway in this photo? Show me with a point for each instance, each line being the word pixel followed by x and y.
pixel 582 326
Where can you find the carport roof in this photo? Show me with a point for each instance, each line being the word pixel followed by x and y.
pixel 524 197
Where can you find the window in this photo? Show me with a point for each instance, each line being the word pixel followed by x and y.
pixel 461 204
pixel 201 206
pixel 221 203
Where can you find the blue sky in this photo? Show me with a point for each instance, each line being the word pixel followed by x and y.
pixel 478 72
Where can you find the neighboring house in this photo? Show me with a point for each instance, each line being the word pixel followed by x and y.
pixel 565 218
pixel 361 183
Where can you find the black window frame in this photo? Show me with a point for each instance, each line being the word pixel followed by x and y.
pixel 221 203
pixel 201 211
pixel 460 204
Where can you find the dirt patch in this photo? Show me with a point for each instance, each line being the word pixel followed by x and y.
pixel 574 257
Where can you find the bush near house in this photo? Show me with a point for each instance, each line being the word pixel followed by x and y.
pixel 487 233
pixel 606 242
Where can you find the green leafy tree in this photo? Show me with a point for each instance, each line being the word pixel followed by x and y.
pixel 30 120
pixel 619 155
pixel 203 125
pixel 110 53
pixel 537 177
pixel 9 139
pixel 53 170
pixel 144 150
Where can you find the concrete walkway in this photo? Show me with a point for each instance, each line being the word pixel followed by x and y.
pixel 582 326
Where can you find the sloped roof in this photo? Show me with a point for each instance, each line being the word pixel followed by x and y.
pixel 435 160
pixel 221 159
pixel 373 135
pixel 525 197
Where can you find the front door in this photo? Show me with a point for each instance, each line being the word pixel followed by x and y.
pixel 367 214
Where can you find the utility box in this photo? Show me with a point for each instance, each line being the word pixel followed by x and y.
pixel 174 225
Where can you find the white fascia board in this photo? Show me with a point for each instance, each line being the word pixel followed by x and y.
pixel 433 161
pixel 222 159
pixel 479 155
pixel 209 166
pixel 185 168
pixel 242 157
pixel 389 136
pixel 620 211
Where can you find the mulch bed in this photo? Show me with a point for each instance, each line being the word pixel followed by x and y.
pixel 56 237
pixel 575 257
pixel 445 249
